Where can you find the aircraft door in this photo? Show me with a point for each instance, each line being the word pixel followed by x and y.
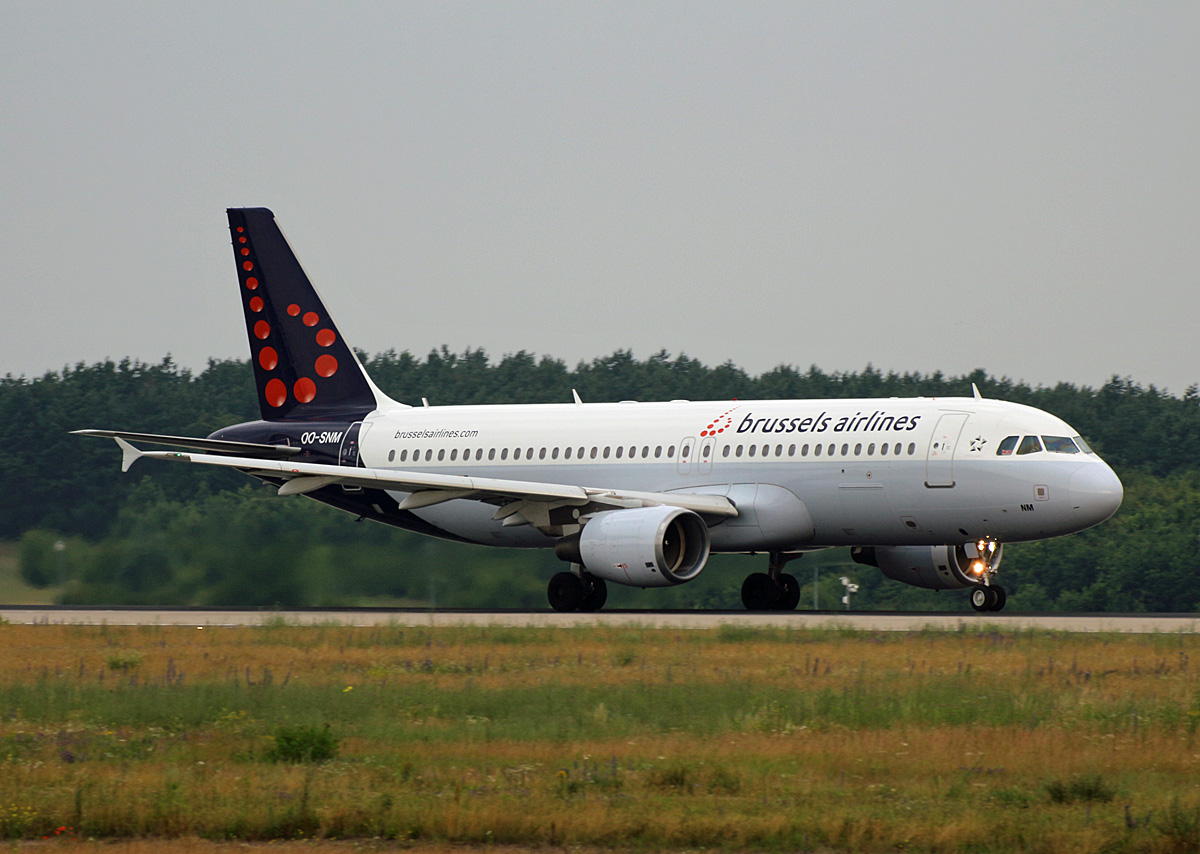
pixel 687 447
pixel 348 456
pixel 706 450
pixel 939 461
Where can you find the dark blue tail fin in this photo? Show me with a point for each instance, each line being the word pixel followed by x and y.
pixel 303 368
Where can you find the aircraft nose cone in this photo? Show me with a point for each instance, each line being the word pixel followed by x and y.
pixel 1096 493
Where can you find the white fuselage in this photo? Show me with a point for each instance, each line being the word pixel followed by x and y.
pixel 889 471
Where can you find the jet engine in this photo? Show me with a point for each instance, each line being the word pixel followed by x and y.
pixel 933 567
pixel 641 547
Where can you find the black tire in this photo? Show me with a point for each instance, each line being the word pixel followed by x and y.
pixel 983 598
pixel 595 594
pixel 759 592
pixel 565 592
pixel 790 597
pixel 1001 597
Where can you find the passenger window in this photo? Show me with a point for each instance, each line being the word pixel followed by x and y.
pixel 1059 445
pixel 516 453
pixel 554 454
pixel 645 451
pixel 391 456
pixel 738 452
pixel 1029 445
pixel 632 451
pixel 725 451
pixel 791 450
pixel 580 453
pixel 816 450
pixel 883 449
pixel 595 451
pixel 831 450
pixel 753 450
pixel 858 449
pixel 896 450
pixel 804 450
pixel 504 453
pixel 657 451
pixel 429 455
pixel 845 450
pixel 704 454
pixel 529 454
pixel 871 450
pixel 491 453
pixel 671 451
pixel 912 448
pixel 404 456
pixel 606 450
pixel 454 455
pixel 542 454
pixel 620 451
pixel 567 453
pixel 1006 447
pixel 766 450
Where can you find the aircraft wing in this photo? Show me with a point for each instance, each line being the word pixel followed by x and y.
pixel 520 500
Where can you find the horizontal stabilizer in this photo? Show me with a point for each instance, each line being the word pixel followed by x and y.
pixel 216 446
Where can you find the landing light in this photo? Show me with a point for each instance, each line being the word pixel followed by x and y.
pixel 977 567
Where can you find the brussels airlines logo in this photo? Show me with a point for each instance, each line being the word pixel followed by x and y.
pixel 719 424
pixel 878 421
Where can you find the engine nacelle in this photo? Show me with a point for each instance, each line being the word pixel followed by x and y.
pixel 641 546
pixel 931 567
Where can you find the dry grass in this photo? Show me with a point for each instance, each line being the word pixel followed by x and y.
pixel 616 738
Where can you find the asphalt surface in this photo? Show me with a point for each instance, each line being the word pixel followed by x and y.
pixel 866 620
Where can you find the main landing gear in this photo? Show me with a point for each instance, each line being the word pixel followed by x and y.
pixel 576 591
pixel 773 590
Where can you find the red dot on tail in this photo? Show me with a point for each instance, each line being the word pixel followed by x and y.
pixel 256 304
pixel 293 309
pixel 326 365
pixel 241 240
pixel 326 337
pixel 305 389
pixel 247 265
pixel 251 282
pixel 268 358
pixel 262 329
pixel 245 251
pixel 240 229
pixel 310 318
pixel 276 392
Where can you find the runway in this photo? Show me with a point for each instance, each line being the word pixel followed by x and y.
pixel 874 621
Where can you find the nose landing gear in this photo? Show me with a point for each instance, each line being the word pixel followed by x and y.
pixel 987 595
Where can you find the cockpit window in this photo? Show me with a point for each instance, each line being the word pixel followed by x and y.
pixel 1060 445
pixel 1006 447
pixel 1029 445
pixel 1083 446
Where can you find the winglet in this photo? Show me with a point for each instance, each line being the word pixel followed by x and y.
pixel 129 454
pixel 975 390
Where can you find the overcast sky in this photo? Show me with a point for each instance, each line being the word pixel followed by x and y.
pixel 921 187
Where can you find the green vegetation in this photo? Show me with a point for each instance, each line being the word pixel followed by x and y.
pixel 85 534
pixel 831 740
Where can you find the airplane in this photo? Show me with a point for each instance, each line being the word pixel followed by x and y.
pixel 928 490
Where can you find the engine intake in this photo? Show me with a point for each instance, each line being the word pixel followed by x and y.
pixel 931 567
pixel 641 547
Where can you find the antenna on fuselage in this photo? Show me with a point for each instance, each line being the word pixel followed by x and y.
pixel 575 395
pixel 975 389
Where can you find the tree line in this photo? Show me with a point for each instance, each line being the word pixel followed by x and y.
pixel 193 535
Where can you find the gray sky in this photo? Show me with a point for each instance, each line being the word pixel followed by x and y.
pixel 1012 186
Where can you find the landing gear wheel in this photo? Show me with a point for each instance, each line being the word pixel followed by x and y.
pixel 1001 597
pixel 760 592
pixel 565 592
pixel 790 596
pixel 595 594
pixel 984 598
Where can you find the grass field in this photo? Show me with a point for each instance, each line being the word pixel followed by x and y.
pixel 608 738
